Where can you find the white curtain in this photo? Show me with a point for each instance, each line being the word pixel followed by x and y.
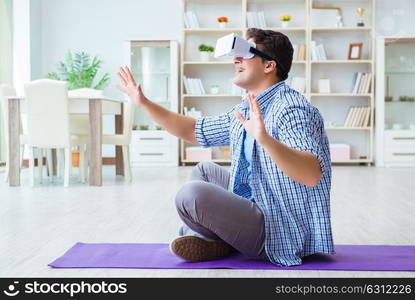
pixel 6 59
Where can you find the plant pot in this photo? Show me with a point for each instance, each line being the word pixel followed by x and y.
pixel 204 55
pixel 284 24
pixel 214 90
pixel 222 24
pixel 75 159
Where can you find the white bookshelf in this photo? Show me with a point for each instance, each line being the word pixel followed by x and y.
pixel 334 106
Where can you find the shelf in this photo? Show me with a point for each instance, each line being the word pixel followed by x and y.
pixel 400 72
pixel 352 161
pixel 342 29
pixel 208 62
pixel 286 29
pixel 342 61
pixel 347 128
pixel 212 96
pixel 339 95
pixel 212 30
pixel 335 39
pixel 226 62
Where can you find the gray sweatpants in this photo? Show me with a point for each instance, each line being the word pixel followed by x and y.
pixel 206 206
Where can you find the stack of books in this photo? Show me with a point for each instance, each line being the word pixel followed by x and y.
pixel 299 52
pixel 193 86
pixel 256 19
pixel 190 20
pixel 361 83
pixel 358 116
pixel 317 52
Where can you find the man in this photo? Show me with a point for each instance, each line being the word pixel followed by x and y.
pixel 274 204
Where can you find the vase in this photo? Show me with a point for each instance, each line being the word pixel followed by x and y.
pixel 284 24
pixel 204 55
pixel 222 24
pixel 75 159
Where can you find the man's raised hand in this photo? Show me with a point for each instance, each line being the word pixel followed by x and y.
pixel 130 86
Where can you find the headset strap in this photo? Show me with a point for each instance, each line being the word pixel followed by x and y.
pixel 265 56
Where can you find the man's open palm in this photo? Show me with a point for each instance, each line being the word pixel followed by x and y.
pixel 130 87
pixel 255 125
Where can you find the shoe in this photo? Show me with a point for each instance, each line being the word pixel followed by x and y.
pixel 194 249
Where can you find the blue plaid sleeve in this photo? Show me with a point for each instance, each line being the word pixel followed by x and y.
pixel 214 131
pixel 301 128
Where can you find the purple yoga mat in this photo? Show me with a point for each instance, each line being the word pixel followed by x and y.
pixel 158 256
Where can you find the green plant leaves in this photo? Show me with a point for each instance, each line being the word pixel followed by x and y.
pixel 79 71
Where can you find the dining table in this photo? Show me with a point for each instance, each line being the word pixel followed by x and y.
pixel 95 108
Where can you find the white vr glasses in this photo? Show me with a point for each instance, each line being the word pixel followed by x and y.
pixel 232 45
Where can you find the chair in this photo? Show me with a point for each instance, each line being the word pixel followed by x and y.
pixel 48 123
pixel 124 139
pixel 7 90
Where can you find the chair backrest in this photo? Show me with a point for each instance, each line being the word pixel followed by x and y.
pixel 129 113
pixel 5 90
pixel 79 124
pixel 48 115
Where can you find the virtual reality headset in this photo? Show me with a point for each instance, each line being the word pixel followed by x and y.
pixel 232 45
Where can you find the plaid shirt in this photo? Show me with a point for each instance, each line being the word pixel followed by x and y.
pixel 297 217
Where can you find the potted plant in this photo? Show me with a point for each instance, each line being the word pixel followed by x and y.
pixel 285 20
pixel 79 71
pixel 205 51
pixel 222 21
pixel 214 89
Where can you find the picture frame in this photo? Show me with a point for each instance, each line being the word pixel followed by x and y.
pixel 355 51
pixel 324 86
pixel 324 16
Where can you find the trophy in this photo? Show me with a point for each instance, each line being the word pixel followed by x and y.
pixel 361 21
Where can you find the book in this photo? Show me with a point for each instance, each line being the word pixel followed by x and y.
pixel 348 118
pixel 362 83
pixel 201 88
pixel 367 83
pixel 353 82
pixel 352 116
pixel 186 85
pixel 314 55
pixel 302 52
pixel 186 21
pixel 321 52
pixel 192 19
pixel 261 15
pixel 360 116
pixel 367 117
pixel 355 109
pixel 356 85
pixel 295 52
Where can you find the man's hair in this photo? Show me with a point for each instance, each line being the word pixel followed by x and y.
pixel 276 45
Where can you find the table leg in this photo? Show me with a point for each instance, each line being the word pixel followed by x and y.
pixel 14 141
pixel 119 127
pixel 95 153
pixel 54 163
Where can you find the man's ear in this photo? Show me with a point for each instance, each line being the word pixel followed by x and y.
pixel 270 66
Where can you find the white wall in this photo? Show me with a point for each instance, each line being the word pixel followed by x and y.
pixel 100 26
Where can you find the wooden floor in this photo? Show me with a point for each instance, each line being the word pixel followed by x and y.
pixel 369 206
